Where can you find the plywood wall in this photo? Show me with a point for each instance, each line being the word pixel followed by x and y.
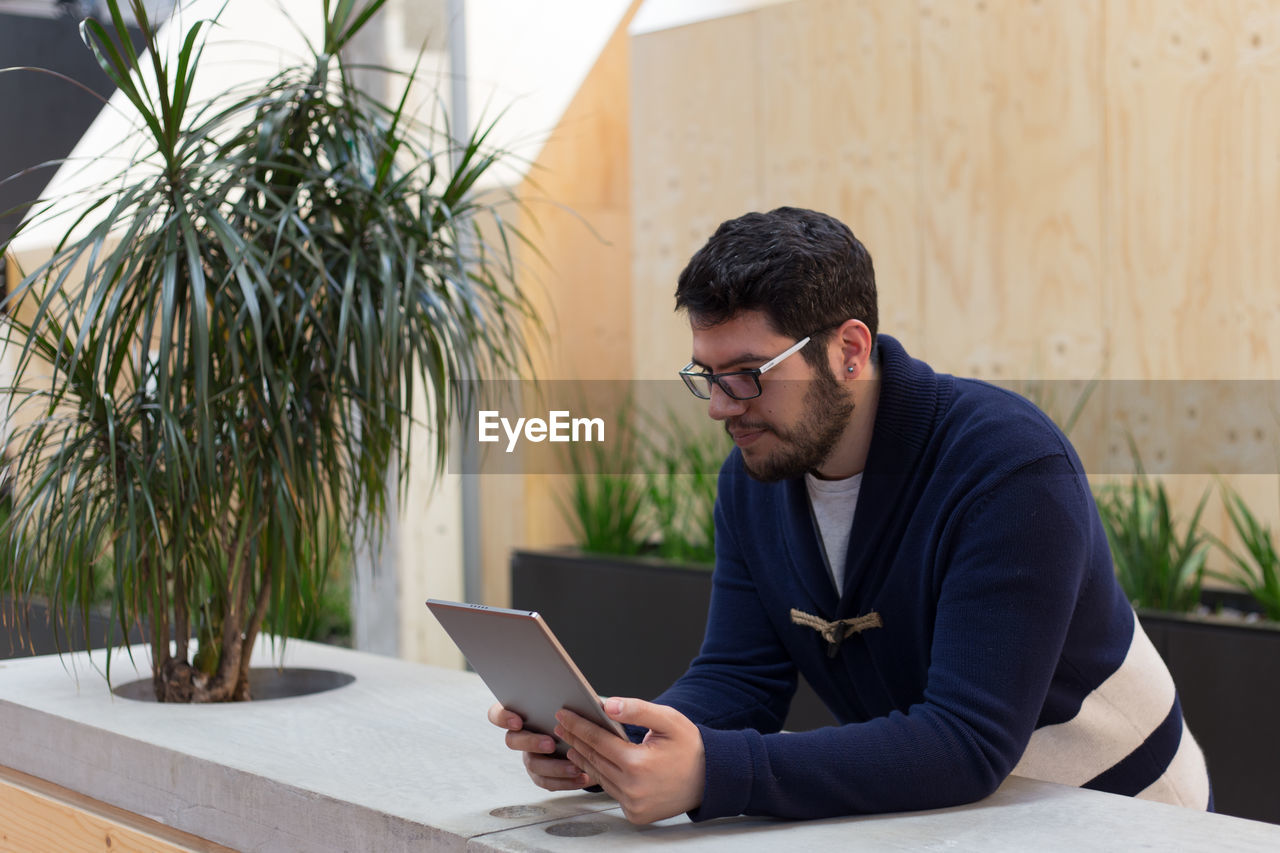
pixel 1050 189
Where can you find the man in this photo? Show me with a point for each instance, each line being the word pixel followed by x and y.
pixel 923 548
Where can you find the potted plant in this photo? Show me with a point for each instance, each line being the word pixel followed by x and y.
pixel 216 365
pixel 1224 666
pixel 1159 569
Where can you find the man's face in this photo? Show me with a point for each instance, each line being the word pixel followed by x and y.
pixel 794 424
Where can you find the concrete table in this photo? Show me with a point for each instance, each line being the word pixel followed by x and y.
pixel 403 759
pixel 1023 815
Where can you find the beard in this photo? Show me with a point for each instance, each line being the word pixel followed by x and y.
pixel 808 443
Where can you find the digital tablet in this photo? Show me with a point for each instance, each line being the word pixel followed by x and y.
pixel 522 662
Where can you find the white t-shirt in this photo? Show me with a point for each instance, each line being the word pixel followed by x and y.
pixel 833 503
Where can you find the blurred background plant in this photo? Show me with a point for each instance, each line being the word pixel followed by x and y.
pixel 607 491
pixel 1258 568
pixel 681 468
pixel 1158 567
pixel 650 492
pixel 322 613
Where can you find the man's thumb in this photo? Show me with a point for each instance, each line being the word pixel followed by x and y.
pixel 637 712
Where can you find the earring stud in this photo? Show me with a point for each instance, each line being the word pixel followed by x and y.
pixel 851 370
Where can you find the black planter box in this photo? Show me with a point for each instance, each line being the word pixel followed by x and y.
pixel 632 624
pixel 1228 678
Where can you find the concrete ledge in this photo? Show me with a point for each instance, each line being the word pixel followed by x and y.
pixel 1022 815
pixel 401 758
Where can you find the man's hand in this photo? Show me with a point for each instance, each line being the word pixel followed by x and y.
pixel 662 776
pixel 546 771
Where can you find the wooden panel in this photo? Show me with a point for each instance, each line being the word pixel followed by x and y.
pixel 582 283
pixel 1192 208
pixel 579 197
pixel 1010 168
pixel 837 122
pixel 695 163
pixel 1193 426
pixel 38 815
pixel 1193 180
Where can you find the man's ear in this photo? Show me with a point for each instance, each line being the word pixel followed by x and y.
pixel 855 347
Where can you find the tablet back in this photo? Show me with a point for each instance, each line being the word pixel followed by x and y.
pixel 521 661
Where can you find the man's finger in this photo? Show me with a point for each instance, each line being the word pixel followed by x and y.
pixel 530 742
pixel 602 749
pixel 637 712
pixel 555 774
pixel 552 784
pixel 603 779
pixel 559 768
pixel 504 719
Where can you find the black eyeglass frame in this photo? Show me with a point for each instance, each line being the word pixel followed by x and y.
pixel 691 377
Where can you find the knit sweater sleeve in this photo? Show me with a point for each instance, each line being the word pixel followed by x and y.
pixel 1011 564
pixel 743 677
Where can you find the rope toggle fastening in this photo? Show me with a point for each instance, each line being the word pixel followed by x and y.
pixel 837 632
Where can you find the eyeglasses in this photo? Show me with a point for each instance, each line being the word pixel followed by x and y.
pixel 737 384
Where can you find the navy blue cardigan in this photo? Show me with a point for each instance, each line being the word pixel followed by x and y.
pixel 977 541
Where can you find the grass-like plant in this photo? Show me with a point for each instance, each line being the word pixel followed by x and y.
pixel 606 491
pixel 1259 566
pixel 1158 567
pixel 652 492
pixel 217 364
pixel 681 469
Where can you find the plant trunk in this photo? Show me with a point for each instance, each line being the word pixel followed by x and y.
pixel 160 657
pixel 176 680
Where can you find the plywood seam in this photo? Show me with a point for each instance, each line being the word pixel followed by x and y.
pixel 917 153
pixel 757 117
pixel 1106 293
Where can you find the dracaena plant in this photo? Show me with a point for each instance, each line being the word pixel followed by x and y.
pixel 216 366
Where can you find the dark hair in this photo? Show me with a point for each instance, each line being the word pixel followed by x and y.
pixel 805 270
